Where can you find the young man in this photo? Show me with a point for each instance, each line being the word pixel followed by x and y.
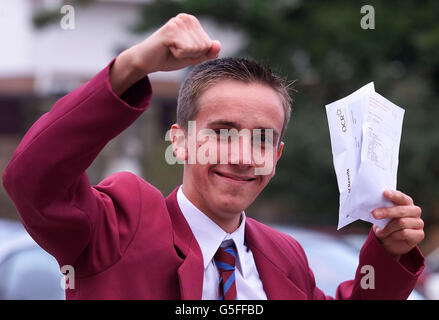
pixel 126 241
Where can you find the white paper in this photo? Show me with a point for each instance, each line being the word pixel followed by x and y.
pixel 365 130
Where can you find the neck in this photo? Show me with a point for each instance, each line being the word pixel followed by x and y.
pixel 229 222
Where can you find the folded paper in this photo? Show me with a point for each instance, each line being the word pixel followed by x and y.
pixel 365 130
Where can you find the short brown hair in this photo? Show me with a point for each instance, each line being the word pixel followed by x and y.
pixel 211 72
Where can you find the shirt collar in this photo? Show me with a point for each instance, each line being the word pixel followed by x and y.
pixel 209 235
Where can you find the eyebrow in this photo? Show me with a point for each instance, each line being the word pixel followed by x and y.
pixel 224 123
pixel 236 126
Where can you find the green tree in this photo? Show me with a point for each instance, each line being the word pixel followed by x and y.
pixel 322 45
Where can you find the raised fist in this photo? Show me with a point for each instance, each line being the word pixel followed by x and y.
pixel 177 44
pixel 181 42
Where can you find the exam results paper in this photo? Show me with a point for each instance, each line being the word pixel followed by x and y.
pixel 365 131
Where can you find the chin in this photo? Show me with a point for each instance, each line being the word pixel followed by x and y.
pixel 231 206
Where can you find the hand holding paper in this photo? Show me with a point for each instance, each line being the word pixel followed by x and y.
pixel 405 229
pixel 345 118
pixel 365 130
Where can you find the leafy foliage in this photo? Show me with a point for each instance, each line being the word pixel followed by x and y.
pixel 321 44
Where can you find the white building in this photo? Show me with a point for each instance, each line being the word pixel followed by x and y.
pixel 54 59
pixel 38 65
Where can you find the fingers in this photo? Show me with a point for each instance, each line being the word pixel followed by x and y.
pixel 404 207
pixel 214 50
pixel 188 40
pixel 396 225
pixel 405 229
pixel 397 197
pixel 397 212
pixel 409 237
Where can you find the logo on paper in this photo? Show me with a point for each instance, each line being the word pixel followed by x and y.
pixel 342 120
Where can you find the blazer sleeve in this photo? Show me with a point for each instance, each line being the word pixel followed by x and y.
pixel 379 275
pixel 46 176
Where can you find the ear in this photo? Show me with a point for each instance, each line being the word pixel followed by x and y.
pixel 279 154
pixel 178 140
pixel 279 150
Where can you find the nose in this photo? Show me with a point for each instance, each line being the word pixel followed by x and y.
pixel 240 150
pixel 245 152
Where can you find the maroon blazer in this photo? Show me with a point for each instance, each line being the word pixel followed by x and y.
pixel 124 239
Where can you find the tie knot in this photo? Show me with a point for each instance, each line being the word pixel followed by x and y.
pixel 225 258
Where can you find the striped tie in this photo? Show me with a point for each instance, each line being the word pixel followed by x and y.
pixel 225 261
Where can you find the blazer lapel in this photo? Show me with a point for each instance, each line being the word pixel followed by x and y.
pixel 191 271
pixel 272 268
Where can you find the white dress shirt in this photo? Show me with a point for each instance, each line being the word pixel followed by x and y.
pixel 210 237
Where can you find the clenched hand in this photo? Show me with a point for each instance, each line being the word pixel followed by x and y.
pixel 179 43
pixel 405 229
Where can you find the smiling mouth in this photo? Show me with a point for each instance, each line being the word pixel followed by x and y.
pixel 234 177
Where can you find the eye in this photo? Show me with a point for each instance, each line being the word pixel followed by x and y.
pixel 226 134
pixel 218 133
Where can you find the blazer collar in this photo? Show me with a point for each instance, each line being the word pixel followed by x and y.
pixel 191 271
pixel 271 266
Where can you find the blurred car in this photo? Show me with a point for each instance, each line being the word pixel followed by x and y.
pixel 431 285
pixel 428 282
pixel 26 270
pixel 332 259
pixel 432 260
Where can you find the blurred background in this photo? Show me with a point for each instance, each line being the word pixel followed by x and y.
pixel 47 51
